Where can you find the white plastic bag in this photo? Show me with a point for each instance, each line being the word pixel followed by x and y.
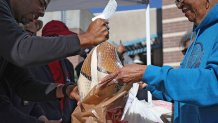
pixel 109 10
pixel 137 111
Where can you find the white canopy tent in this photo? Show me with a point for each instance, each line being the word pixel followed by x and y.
pixel 86 4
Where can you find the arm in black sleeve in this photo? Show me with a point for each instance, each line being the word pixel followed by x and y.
pixel 37 110
pixel 22 49
pixel 26 87
pixel 10 114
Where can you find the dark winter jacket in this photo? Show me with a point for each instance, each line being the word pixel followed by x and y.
pixel 52 108
pixel 19 49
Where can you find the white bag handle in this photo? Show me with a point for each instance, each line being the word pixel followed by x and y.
pixel 132 96
pixel 94 65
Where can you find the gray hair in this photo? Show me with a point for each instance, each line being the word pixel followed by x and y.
pixel 186 37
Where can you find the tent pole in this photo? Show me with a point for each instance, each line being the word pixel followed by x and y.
pixel 148 42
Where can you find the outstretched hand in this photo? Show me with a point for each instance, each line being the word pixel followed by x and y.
pixel 128 74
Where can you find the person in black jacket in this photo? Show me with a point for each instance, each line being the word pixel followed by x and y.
pixel 19 50
pixel 58 71
pixel 27 110
pixel 54 73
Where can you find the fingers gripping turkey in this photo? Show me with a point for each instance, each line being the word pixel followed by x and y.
pixel 97 101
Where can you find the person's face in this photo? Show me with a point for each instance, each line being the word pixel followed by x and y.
pixel 33 26
pixel 121 49
pixel 194 10
pixel 26 11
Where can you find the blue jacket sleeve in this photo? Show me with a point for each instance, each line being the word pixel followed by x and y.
pixel 196 86
pixel 158 94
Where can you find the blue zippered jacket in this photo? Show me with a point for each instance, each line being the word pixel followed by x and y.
pixel 194 86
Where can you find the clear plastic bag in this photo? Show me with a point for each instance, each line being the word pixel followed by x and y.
pixel 140 111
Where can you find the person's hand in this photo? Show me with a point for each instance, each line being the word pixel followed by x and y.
pixel 96 33
pixel 73 93
pixel 128 74
pixel 142 85
pixel 70 91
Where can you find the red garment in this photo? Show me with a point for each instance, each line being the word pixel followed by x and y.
pixel 58 76
pixel 56 28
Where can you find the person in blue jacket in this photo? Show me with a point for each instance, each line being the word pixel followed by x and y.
pixel 194 86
